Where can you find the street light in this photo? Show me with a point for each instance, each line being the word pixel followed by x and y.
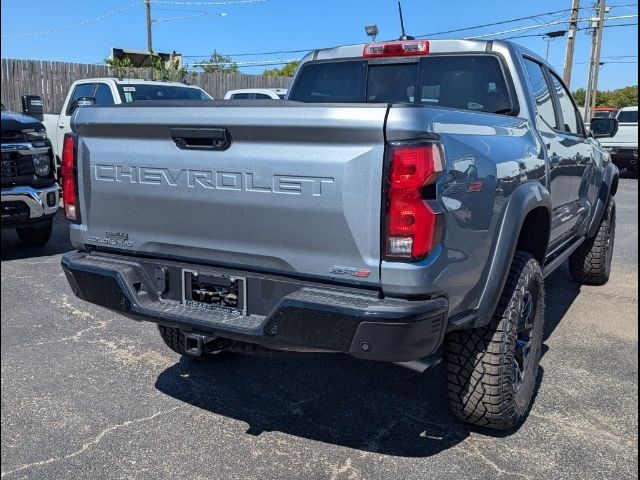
pixel 372 31
pixel 550 36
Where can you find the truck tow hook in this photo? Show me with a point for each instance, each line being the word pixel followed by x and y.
pixel 196 345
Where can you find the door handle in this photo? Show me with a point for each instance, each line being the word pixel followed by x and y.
pixel 61 125
pixel 217 138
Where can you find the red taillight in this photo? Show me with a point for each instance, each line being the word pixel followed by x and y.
pixel 69 174
pixel 405 48
pixel 413 218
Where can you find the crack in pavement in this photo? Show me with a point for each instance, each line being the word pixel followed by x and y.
pixel 471 450
pixel 94 441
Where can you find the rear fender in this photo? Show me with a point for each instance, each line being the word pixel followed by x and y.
pixel 608 189
pixel 524 199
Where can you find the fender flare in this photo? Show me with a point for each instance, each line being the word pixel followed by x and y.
pixel 608 188
pixel 524 199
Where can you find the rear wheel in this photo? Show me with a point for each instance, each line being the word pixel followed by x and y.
pixel 35 236
pixel 491 371
pixel 590 264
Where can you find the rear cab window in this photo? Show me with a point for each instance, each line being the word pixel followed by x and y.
pixel 470 82
pixel 628 116
pixel 140 91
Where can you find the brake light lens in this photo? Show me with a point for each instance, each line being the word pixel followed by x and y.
pixel 413 219
pixel 69 173
pixel 405 48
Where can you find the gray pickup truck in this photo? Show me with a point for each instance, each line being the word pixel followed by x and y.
pixel 404 204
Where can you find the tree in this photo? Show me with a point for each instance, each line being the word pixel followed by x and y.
pixel 121 66
pixel 220 63
pixel 618 98
pixel 579 96
pixel 170 70
pixel 287 71
pixel 159 70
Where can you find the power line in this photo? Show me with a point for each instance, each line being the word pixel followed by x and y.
pixel 257 63
pixel 513 20
pixel 236 2
pixel 203 14
pixel 74 25
pixel 533 27
pixel 579 30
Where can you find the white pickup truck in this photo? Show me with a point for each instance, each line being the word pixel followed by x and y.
pixel 624 145
pixel 113 91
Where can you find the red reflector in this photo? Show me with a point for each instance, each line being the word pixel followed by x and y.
pixel 69 180
pixel 396 49
pixel 412 223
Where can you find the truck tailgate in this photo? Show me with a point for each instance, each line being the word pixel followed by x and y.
pixel 298 191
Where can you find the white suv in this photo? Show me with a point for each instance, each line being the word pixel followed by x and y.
pixel 256 94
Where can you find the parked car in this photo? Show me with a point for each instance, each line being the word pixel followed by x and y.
pixel 604 112
pixel 113 91
pixel 256 94
pixel 624 145
pixel 29 191
pixel 403 205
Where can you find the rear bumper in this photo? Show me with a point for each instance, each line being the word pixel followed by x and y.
pixel 306 317
pixel 24 205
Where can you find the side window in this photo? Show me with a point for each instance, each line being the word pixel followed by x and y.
pixel 262 96
pixel 240 96
pixel 569 111
pixel 103 95
pixel 82 90
pixel 540 91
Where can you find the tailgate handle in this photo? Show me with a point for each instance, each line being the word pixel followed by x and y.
pixel 201 138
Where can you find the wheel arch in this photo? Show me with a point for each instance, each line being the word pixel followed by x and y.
pixel 608 188
pixel 526 225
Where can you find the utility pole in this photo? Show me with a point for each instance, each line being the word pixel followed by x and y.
pixel 594 67
pixel 147 6
pixel 573 30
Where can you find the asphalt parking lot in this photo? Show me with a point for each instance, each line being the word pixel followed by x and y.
pixel 88 394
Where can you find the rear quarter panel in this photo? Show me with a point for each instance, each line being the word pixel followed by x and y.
pixel 499 152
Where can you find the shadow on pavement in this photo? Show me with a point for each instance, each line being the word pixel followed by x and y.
pixel 560 293
pixel 12 249
pixel 369 406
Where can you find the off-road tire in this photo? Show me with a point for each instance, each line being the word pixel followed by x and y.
pixel 480 362
pixel 35 236
pixel 590 264
pixel 173 338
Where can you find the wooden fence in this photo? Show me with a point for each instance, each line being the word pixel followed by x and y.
pixel 51 80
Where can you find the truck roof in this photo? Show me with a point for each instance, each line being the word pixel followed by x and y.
pixel 259 90
pixel 127 81
pixel 435 46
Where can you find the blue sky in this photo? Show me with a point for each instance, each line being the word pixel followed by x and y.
pixel 280 25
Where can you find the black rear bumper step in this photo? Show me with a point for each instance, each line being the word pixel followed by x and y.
pixel 310 318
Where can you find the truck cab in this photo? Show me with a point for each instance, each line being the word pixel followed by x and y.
pixel 112 91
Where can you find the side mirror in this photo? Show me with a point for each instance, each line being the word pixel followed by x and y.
pixel 603 127
pixel 85 101
pixel 32 106
pixel 82 102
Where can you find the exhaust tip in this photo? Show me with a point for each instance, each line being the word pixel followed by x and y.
pixel 422 364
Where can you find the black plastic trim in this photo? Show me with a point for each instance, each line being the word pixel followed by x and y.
pixel 328 320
